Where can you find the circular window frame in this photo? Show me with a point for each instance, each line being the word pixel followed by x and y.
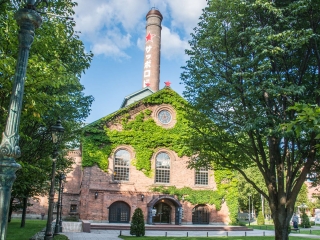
pixel 164 120
pixel 172 112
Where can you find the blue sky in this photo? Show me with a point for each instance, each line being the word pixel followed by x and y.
pixel 114 30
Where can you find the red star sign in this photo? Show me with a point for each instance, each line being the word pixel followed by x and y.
pixel 149 37
pixel 148 84
pixel 167 84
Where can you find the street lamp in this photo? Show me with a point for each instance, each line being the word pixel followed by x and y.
pixel 303 206
pixel 249 195
pixel 57 131
pixel 58 222
pixel 60 218
pixel 28 20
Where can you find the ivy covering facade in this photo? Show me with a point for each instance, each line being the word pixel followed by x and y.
pixel 139 130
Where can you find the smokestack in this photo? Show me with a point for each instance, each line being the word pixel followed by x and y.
pixel 151 69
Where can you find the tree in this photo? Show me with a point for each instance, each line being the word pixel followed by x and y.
pixel 260 219
pixel 246 188
pixel 52 90
pixel 305 222
pixel 250 61
pixel 137 224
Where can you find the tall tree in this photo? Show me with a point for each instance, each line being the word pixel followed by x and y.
pixel 250 60
pixel 52 90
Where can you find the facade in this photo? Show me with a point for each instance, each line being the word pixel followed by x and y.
pixel 111 190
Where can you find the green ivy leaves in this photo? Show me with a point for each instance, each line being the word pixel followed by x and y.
pixel 142 133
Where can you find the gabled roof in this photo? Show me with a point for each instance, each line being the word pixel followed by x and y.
pixel 136 96
pixel 150 97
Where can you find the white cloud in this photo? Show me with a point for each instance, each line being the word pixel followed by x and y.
pixel 110 27
pixel 172 46
pixel 186 15
pixel 112 44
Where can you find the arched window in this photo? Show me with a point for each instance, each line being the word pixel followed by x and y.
pixel 201 177
pixel 121 165
pixel 200 215
pixel 162 168
pixel 119 212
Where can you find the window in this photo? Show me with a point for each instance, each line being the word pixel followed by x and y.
pixel 73 208
pixel 162 168
pixel 164 116
pixel 201 176
pixel 121 165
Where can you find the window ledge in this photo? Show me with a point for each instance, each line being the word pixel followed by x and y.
pixel 202 186
pixel 121 182
pixel 73 213
pixel 161 184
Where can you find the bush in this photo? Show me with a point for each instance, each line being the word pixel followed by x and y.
pixel 242 223
pixel 305 222
pixel 137 224
pixel 260 219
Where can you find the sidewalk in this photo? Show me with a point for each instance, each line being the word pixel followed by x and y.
pixel 113 234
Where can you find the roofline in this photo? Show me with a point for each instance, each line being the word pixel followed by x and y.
pixel 133 94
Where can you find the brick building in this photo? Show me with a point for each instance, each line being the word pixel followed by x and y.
pixel 111 194
pixel 110 187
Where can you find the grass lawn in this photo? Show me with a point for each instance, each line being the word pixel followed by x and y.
pixel 215 238
pixel 307 231
pixel 261 227
pixel 271 227
pixel 31 228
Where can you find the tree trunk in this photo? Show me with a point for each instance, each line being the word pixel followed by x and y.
pixel 10 209
pixel 24 211
pixel 281 217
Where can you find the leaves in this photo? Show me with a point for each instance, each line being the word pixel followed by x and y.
pixel 141 132
pixel 251 64
pixel 52 90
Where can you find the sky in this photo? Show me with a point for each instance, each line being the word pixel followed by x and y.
pixel 114 30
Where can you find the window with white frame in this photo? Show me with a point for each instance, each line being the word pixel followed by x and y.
pixel 121 165
pixel 201 177
pixel 162 168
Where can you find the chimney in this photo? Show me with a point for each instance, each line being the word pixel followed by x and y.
pixel 151 68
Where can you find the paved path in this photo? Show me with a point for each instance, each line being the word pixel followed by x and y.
pixel 113 234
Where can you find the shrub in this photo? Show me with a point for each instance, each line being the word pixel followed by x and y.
pixel 305 222
pixel 260 219
pixel 242 223
pixel 137 224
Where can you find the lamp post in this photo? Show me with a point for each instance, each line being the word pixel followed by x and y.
pixel 60 217
pixel 57 131
pixel 249 195
pixel 28 20
pixel 57 227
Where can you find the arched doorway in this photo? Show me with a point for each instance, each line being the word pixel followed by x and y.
pixel 162 213
pixel 119 212
pixel 200 215
pixel 168 206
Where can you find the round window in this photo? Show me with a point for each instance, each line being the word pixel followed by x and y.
pixel 164 116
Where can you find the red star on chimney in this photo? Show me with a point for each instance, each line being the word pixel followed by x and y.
pixel 147 84
pixel 167 84
pixel 149 37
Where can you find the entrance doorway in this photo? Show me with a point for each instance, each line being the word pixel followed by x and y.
pixel 200 215
pixel 163 213
pixel 119 212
